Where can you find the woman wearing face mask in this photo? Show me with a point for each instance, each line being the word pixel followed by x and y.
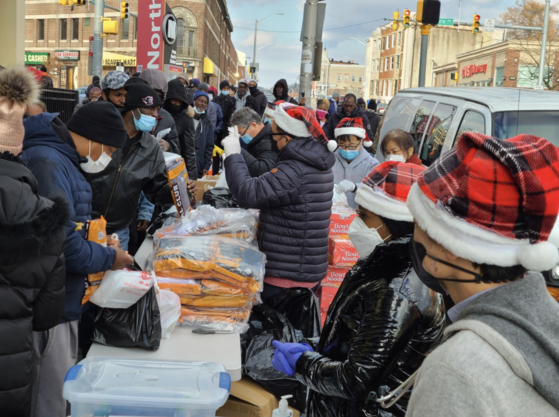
pixel 383 320
pixel 204 133
pixel 353 162
pixel 322 112
pixel 398 145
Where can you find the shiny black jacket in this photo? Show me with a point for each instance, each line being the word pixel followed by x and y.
pixel 117 188
pixel 259 155
pixel 380 326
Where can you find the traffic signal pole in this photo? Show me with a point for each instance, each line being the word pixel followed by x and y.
pixel 544 43
pixel 309 46
pixel 97 39
pixel 425 29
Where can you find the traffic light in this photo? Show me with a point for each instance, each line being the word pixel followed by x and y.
pixel 419 12
pixel 79 2
pixel 65 2
pixel 431 12
pixel 407 15
pixel 124 10
pixel 475 24
pixel 396 17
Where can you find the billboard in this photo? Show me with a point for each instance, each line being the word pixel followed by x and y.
pixel 157 34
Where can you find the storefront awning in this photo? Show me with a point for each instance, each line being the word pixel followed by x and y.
pixel 110 59
pixel 209 67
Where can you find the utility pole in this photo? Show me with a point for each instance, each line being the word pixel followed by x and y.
pixel 309 45
pixel 544 43
pixel 255 52
pixel 425 29
pixel 97 39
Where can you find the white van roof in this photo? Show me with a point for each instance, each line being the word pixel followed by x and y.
pixel 497 98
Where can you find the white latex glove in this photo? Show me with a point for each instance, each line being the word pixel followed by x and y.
pixel 163 133
pixel 164 145
pixel 231 144
pixel 346 186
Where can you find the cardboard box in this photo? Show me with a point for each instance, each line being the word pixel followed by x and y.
pixel 341 252
pixel 340 221
pixel 326 296
pixel 248 399
pixel 203 186
pixel 335 276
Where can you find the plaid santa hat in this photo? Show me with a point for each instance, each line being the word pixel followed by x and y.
pixel 492 201
pixel 299 122
pixel 353 126
pixel 385 190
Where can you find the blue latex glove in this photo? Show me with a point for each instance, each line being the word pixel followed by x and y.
pixel 286 356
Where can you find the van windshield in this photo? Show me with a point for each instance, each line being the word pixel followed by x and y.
pixel 544 124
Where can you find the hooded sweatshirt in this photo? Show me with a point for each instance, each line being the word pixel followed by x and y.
pixel 501 357
pixel 285 95
pixel 353 171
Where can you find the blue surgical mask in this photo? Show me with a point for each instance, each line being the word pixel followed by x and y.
pixel 198 111
pixel 246 138
pixel 349 155
pixel 145 123
pixel 267 120
pixel 225 93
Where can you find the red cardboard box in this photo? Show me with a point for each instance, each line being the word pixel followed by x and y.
pixel 327 295
pixel 335 276
pixel 341 252
pixel 340 221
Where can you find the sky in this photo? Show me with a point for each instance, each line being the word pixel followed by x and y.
pixel 344 18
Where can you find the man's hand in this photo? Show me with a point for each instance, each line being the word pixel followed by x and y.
pixel 113 243
pixel 122 259
pixel 231 143
pixel 192 187
pixel 164 145
pixel 143 225
pixel 204 172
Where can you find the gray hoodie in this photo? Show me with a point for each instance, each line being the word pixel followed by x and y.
pixel 353 171
pixel 501 357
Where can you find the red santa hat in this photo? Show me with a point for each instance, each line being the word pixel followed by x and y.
pixel 385 190
pixel 492 201
pixel 299 122
pixel 353 126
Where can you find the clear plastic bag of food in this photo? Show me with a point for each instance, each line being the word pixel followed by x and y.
pixel 170 311
pixel 234 320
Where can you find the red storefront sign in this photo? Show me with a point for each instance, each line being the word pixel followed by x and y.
pixel 150 36
pixel 470 70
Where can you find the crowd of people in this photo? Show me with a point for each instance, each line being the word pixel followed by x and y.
pixel 444 314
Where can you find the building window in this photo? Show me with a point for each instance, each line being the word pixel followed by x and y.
pixel 339 77
pixel 187 28
pixel 75 29
pixel 382 44
pixel 393 40
pixel 360 79
pixel 87 21
pixel 353 78
pixel 392 62
pixel 40 29
pixel 395 86
pixel 346 77
pixel 125 24
pixel 63 29
pixel 399 38
pixel 135 28
pixel 378 64
pixel 397 61
pixel 388 42
pixel 386 64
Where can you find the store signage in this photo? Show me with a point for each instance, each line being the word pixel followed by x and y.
pixel 67 55
pixel 470 70
pixel 156 44
pixel 36 58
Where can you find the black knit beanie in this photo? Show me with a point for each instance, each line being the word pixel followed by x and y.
pixel 100 122
pixel 224 84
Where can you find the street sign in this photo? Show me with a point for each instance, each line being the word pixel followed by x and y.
pixel 446 22
pixel 489 25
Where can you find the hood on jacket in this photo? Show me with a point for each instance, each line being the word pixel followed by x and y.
pixel 46 129
pixel 308 151
pixel 176 91
pixel 282 82
pixel 524 314
pixel 155 78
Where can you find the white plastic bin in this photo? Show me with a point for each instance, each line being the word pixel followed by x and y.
pixel 103 387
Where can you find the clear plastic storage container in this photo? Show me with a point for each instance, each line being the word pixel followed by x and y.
pixel 108 387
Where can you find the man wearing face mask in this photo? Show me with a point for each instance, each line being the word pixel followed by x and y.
pixel 113 88
pixel 383 320
pixel 348 109
pixel 259 96
pixel 258 150
pixel 138 166
pixel 204 133
pixel 484 213
pixel 58 156
pixel 243 97
pixel 353 162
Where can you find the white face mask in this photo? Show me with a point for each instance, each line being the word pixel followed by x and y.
pixel 396 158
pixel 93 167
pixel 364 239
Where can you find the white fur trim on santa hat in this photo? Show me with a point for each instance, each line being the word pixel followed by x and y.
pixel 360 133
pixel 270 112
pixel 332 145
pixel 478 245
pixel 367 143
pixel 294 127
pixel 381 204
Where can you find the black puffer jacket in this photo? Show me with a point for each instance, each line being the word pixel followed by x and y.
pixel 184 125
pixel 259 155
pixel 261 99
pixel 295 202
pixel 32 276
pixel 380 326
pixel 285 95
pixel 117 188
pixel 337 117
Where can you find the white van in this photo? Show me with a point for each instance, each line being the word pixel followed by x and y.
pixel 436 117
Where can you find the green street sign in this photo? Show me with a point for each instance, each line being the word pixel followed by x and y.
pixel 446 22
pixel 36 58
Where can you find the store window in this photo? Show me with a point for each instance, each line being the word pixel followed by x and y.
pixel 471 122
pixel 40 29
pixel 63 29
pixel 75 29
pixel 499 76
pixel 435 133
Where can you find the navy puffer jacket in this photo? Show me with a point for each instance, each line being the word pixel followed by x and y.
pixel 295 202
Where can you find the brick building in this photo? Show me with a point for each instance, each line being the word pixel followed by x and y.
pixel 340 76
pixel 58 37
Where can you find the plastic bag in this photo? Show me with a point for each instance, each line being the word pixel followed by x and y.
pixel 122 288
pixel 233 320
pixel 136 326
pixel 170 311
pixel 220 198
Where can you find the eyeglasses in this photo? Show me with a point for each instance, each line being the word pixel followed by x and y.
pixel 348 147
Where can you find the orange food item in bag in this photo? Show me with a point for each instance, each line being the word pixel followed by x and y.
pixel 96 232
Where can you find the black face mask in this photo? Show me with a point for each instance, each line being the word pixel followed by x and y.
pixel 172 108
pixel 252 90
pixel 418 253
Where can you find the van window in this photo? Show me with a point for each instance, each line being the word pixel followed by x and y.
pixel 435 133
pixel 420 121
pixel 400 113
pixel 471 122
pixel 544 124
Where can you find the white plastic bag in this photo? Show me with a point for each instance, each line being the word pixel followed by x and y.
pixel 122 288
pixel 169 309
pixel 222 181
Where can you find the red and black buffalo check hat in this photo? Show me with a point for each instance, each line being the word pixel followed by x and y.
pixel 385 190
pixel 353 126
pixel 492 201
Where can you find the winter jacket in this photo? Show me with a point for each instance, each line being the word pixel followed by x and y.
pixel 381 324
pixel 500 357
pixel 116 189
pixel 32 277
pixel 285 96
pixel 212 114
pixel 259 154
pixel 333 107
pixel 337 117
pixel 46 82
pixel 373 121
pixel 261 99
pixel 355 171
pixel 184 125
pixel 56 165
pixel 204 144
pixel 166 121
pixel 227 104
pixel 295 202
pixel 219 117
